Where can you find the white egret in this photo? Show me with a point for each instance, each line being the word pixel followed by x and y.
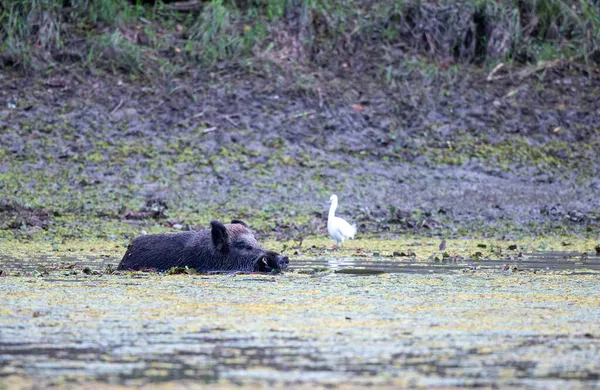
pixel 338 229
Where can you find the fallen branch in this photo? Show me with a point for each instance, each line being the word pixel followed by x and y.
pixel 543 65
pixel 117 107
pixel 524 73
pixel 490 76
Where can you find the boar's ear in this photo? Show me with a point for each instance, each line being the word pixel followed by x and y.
pixel 239 222
pixel 219 236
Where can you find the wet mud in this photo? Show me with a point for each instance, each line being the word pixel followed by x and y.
pixel 446 153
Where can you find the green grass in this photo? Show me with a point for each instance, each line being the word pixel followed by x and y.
pixel 511 154
pixel 321 32
pixel 30 25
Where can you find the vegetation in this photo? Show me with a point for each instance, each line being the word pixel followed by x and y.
pixel 163 38
pixel 95 187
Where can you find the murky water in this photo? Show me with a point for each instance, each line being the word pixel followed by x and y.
pixel 351 265
pixel 371 322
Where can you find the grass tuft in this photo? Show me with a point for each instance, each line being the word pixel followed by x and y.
pixel 324 33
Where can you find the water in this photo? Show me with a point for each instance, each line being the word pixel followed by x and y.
pixel 369 322
pixel 563 260
pixel 531 261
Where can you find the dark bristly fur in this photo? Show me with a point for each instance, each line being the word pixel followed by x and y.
pixel 230 247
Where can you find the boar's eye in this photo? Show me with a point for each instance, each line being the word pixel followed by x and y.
pixel 242 245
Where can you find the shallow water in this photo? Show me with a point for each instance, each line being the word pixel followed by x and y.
pixel 419 324
pixel 532 261
pixel 346 264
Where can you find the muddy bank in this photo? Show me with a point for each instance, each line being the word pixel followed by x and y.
pixel 447 154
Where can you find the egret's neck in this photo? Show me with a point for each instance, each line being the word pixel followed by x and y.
pixel 332 209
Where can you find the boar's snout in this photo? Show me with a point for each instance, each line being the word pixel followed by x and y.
pixel 282 262
pixel 270 261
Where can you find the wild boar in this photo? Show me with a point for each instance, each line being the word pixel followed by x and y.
pixel 230 247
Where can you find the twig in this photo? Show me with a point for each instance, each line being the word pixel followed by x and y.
pixel 208 130
pixel 542 65
pixel 320 94
pixel 305 114
pixel 515 91
pixel 177 88
pixel 117 107
pixel 156 106
pixel 490 76
pixel 231 121
pixel 187 120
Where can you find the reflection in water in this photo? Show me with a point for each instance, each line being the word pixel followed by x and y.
pixel 532 261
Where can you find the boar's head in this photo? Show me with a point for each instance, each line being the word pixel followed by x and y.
pixel 240 250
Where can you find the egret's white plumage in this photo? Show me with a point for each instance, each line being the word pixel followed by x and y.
pixel 338 229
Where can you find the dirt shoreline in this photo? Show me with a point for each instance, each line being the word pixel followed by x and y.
pixel 439 156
